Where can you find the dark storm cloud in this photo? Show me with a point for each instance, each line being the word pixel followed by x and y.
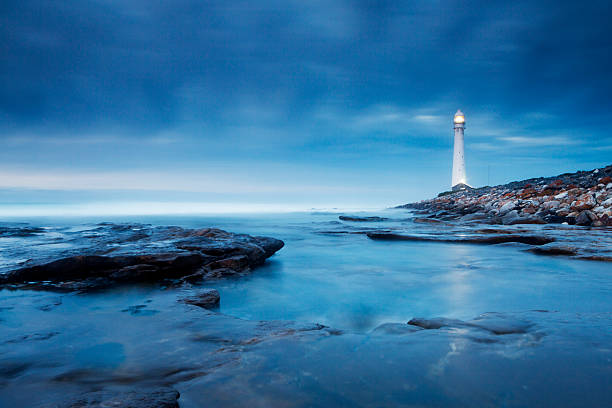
pixel 139 63
pixel 351 84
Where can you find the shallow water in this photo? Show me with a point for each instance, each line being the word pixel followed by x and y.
pixel 52 344
pixel 350 282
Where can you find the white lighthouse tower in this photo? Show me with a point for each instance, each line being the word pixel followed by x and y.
pixel 459 181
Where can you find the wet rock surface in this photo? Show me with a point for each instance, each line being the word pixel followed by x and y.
pixel 441 227
pixel 484 240
pixel 113 254
pixel 205 298
pixel 494 323
pixel 583 198
pixel 362 219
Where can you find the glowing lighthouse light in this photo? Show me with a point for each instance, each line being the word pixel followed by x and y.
pixel 459 181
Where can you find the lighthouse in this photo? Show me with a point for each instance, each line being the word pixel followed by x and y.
pixel 459 181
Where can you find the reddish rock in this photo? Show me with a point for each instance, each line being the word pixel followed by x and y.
pixel 528 192
pixel 605 180
pixel 530 210
pixel 584 202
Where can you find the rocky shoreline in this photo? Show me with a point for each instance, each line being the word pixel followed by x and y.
pixel 116 254
pixel 583 198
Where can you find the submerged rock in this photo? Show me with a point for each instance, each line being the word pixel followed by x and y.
pixel 395 329
pixel 495 323
pixel 163 254
pixel 206 298
pixel 435 322
pixel 554 250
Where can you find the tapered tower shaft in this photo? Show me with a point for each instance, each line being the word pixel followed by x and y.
pixel 459 176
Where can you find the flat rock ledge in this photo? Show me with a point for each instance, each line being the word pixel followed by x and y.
pixel 362 219
pixel 583 198
pixel 483 240
pixel 167 255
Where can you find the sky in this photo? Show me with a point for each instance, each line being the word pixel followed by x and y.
pixel 195 105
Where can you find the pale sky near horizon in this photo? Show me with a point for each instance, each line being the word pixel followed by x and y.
pixel 292 104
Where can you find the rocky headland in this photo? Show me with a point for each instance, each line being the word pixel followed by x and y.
pixel 583 198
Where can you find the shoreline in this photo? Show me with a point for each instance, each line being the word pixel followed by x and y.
pixel 583 198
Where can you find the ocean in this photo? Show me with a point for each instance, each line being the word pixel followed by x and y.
pixel 329 273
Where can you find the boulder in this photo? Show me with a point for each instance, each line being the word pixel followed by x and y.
pixel 586 218
pixel 584 202
pixel 510 217
pixel 532 219
pixel 551 205
pixel 506 208
pixel 529 210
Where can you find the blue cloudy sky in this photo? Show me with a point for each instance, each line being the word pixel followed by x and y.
pixel 293 104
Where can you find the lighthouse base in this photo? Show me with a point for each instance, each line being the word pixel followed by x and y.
pixel 461 187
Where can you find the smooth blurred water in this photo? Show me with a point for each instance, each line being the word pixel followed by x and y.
pixel 56 346
pixel 351 282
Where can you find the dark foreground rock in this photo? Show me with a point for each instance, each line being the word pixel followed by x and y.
pixel 149 254
pixel 583 198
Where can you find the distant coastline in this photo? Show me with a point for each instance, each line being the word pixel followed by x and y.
pixel 582 198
